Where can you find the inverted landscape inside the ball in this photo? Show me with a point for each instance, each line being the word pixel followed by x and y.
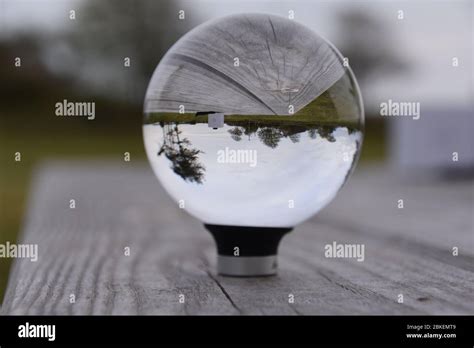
pixel 241 141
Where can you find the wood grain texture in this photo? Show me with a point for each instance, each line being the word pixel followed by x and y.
pixel 81 250
pixel 281 63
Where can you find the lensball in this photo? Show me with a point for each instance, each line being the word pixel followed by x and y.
pixel 254 123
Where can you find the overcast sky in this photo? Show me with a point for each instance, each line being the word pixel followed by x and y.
pixel 430 35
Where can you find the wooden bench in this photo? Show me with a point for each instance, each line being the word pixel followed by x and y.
pixel 118 205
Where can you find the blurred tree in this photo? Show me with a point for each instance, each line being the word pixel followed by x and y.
pixel 325 132
pixel 29 80
pixel 250 128
pixel 270 136
pixel 236 133
pixel 367 43
pixel 184 159
pixel 313 133
pixel 295 138
pixel 87 60
pixel 108 32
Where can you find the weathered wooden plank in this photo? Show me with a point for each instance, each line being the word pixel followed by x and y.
pixel 82 251
pixel 436 213
pixel 280 63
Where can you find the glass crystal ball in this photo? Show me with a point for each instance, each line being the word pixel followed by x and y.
pixel 253 120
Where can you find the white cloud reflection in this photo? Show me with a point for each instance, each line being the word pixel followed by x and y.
pixel 309 172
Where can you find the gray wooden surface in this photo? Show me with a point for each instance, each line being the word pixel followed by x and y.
pixel 281 62
pixel 81 250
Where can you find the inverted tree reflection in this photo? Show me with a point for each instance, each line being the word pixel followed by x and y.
pixel 184 159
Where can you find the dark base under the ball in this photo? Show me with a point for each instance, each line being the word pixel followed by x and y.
pixel 247 251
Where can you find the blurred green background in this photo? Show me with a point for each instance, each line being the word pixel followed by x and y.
pixel 84 62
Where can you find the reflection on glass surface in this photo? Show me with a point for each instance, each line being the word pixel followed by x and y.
pixel 309 171
pixel 267 143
